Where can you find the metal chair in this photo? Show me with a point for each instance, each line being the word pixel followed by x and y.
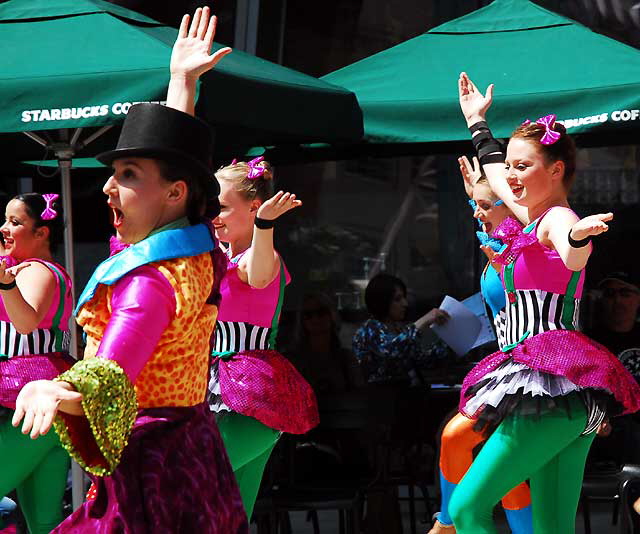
pixel 629 492
pixel 350 412
pixel 606 485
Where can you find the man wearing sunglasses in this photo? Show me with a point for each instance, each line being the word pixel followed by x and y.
pixel 617 327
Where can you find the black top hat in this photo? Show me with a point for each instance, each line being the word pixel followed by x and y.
pixel 158 132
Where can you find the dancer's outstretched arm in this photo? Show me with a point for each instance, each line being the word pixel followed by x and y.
pixel 570 236
pixel 191 58
pixel 261 264
pixel 474 106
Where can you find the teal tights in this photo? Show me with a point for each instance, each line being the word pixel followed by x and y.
pixel 249 444
pixel 37 470
pixel 548 450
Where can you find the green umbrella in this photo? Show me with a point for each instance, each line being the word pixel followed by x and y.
pixel 72 64
pixel 541 63
pixel 67 65
pixel 81 63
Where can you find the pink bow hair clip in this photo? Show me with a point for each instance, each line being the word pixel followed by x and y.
pixel 49 213
pixel 550 135
pixel 255 170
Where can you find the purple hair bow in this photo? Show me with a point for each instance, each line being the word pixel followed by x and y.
pixel 550 135
pixel 255 170
pixel 48 212
pixel 510 233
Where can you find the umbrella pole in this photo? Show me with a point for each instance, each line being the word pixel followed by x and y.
pixel 77 474
pixel 65 152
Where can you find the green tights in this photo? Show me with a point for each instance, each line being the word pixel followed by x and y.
pixel 249 444
pixel 548 450
pixel 37 470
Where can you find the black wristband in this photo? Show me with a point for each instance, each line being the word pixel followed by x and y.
pixel 264 224
pixel 579 244
pixel 480 125
pixel 7 287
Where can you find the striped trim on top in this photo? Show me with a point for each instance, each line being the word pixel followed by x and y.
pixel 535 311
pixel 237 336
pixel 40 341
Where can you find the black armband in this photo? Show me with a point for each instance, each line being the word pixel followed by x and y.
pixel 579 243
pixel 488 148
pixel 264 224
pixel 480 125
pixel 7 287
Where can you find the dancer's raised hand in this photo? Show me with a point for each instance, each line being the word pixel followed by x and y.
pixel 277 205
pixel 191 56
pixel 471 173
pixel 473 103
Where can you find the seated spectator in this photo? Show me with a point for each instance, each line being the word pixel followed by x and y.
pixel 388 349
pixel 317 352
pixel 617 327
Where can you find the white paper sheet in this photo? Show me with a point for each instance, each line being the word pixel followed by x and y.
pixel 461 331
pixel 476 304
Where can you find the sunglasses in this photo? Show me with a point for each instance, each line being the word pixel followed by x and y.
pixel 624 292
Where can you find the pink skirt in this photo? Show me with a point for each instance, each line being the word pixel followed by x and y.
pixel 17 371
pixel 568 354
pixel 264 385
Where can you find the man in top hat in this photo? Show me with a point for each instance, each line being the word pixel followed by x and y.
pixel 133 411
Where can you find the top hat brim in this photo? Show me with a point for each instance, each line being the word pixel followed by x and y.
pixel 192 164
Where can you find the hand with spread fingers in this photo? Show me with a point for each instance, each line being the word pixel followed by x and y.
pixel 191 56
pixel 591 226
pixel 277 205
pixel 471 173
pixel 473 103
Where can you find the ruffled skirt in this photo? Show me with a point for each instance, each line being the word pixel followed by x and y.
pixel 264 385
pixel 174 477
pixel 536 376
pixel 18 371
